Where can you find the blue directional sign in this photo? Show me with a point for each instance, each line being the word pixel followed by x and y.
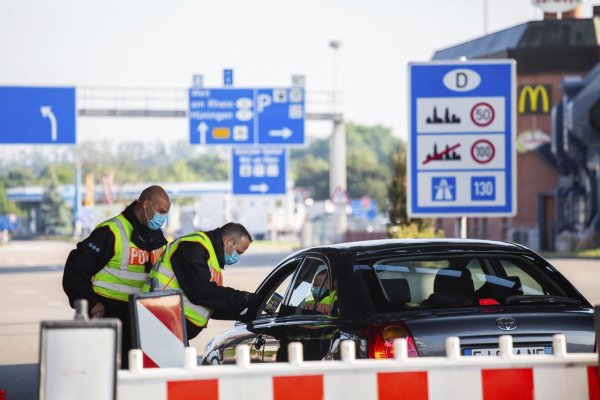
pixel 222 116
pixel 246 116
pixel 258 171
pixel 280 116
pixel 461 158
pixel 40 115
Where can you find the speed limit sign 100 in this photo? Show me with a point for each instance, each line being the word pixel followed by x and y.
pixel 483 151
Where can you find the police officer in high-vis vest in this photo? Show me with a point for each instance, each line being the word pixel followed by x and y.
pixel 194 264
pixel 114 261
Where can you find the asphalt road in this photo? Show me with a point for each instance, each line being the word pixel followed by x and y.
pixel 30 291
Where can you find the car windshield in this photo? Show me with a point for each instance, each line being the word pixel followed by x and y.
pixel 397 283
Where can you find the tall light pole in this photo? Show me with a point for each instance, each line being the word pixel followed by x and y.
pixel 337 153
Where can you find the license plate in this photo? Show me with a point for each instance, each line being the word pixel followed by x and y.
pixel 494 351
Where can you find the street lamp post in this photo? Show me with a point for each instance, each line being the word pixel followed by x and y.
pixel 337 153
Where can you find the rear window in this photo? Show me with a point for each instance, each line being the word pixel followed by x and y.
pixel 397 283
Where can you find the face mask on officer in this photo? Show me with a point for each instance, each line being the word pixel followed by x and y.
pixel 157 220
pixel 233 257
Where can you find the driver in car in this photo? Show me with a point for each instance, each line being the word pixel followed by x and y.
pixel 321 298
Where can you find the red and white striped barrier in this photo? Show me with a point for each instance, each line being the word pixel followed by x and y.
pixel 159 329
pixel 508 376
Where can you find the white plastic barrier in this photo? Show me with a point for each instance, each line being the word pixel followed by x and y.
pixel 508 376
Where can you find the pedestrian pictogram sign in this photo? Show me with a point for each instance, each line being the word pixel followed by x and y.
pixel 461 158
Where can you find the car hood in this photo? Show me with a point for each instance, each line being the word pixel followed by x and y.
pixel 480 327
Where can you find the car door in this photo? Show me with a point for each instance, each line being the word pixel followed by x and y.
pixel 310 313
pixel 256 334
pixel 260 334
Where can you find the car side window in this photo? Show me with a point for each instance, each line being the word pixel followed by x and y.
pixel 312 291
pixel 278 290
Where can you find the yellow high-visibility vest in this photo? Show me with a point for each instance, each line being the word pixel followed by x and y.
pixel 196 314
pixel 124 274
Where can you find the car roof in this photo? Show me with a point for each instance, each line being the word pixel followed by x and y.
pixel 415 246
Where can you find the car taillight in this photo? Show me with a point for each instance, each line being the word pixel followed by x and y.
pixel 381 338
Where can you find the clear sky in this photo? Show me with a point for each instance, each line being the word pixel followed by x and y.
pixel 158 43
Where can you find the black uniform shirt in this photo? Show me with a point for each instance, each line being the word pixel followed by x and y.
pixel 190 264
pixel 93 253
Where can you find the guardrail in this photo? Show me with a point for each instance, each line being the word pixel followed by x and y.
pixel 556 376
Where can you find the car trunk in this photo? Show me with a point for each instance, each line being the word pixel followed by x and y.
pixel 478 329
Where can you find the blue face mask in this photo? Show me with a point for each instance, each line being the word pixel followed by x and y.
pixel 315 290
pixel 157 220
pixel 232 258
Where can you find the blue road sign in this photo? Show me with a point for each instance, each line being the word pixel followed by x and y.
pixel 246 116
pixel 461 158
pixel 280 116
pixel 258 171
pixel 228 77
pixel 37 115
pixel 222 116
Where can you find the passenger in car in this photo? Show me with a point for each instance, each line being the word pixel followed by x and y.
pixel 321 298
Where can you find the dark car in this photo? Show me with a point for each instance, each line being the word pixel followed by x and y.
pixel 425 290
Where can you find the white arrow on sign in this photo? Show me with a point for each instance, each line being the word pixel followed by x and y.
pixel 284 133
pixel 202 129
pixel 262 188
pixel 47 113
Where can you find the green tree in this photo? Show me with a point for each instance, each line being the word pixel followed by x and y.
pixel 19 177
pixel 55 218
pixel 401 225
pixel 368 163
pixel 397 187
pixel 6 206
pixel 63 173
pixel 367 177
pixel 313 174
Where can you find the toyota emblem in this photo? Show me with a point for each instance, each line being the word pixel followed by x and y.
pixel 507 324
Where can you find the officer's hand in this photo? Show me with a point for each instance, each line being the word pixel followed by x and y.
pixel 97 311
pixel 254 300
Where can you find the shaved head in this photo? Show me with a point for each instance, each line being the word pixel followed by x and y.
pixel 153 193
pixel 153 199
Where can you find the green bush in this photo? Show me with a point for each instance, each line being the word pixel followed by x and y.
pixel 415 230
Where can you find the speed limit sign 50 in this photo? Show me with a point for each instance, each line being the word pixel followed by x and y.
pixel 482 114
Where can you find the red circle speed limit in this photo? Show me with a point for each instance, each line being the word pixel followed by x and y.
pixel 483 151
pixel 482 114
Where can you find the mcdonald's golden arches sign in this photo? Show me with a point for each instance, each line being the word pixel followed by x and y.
pixel 535 99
